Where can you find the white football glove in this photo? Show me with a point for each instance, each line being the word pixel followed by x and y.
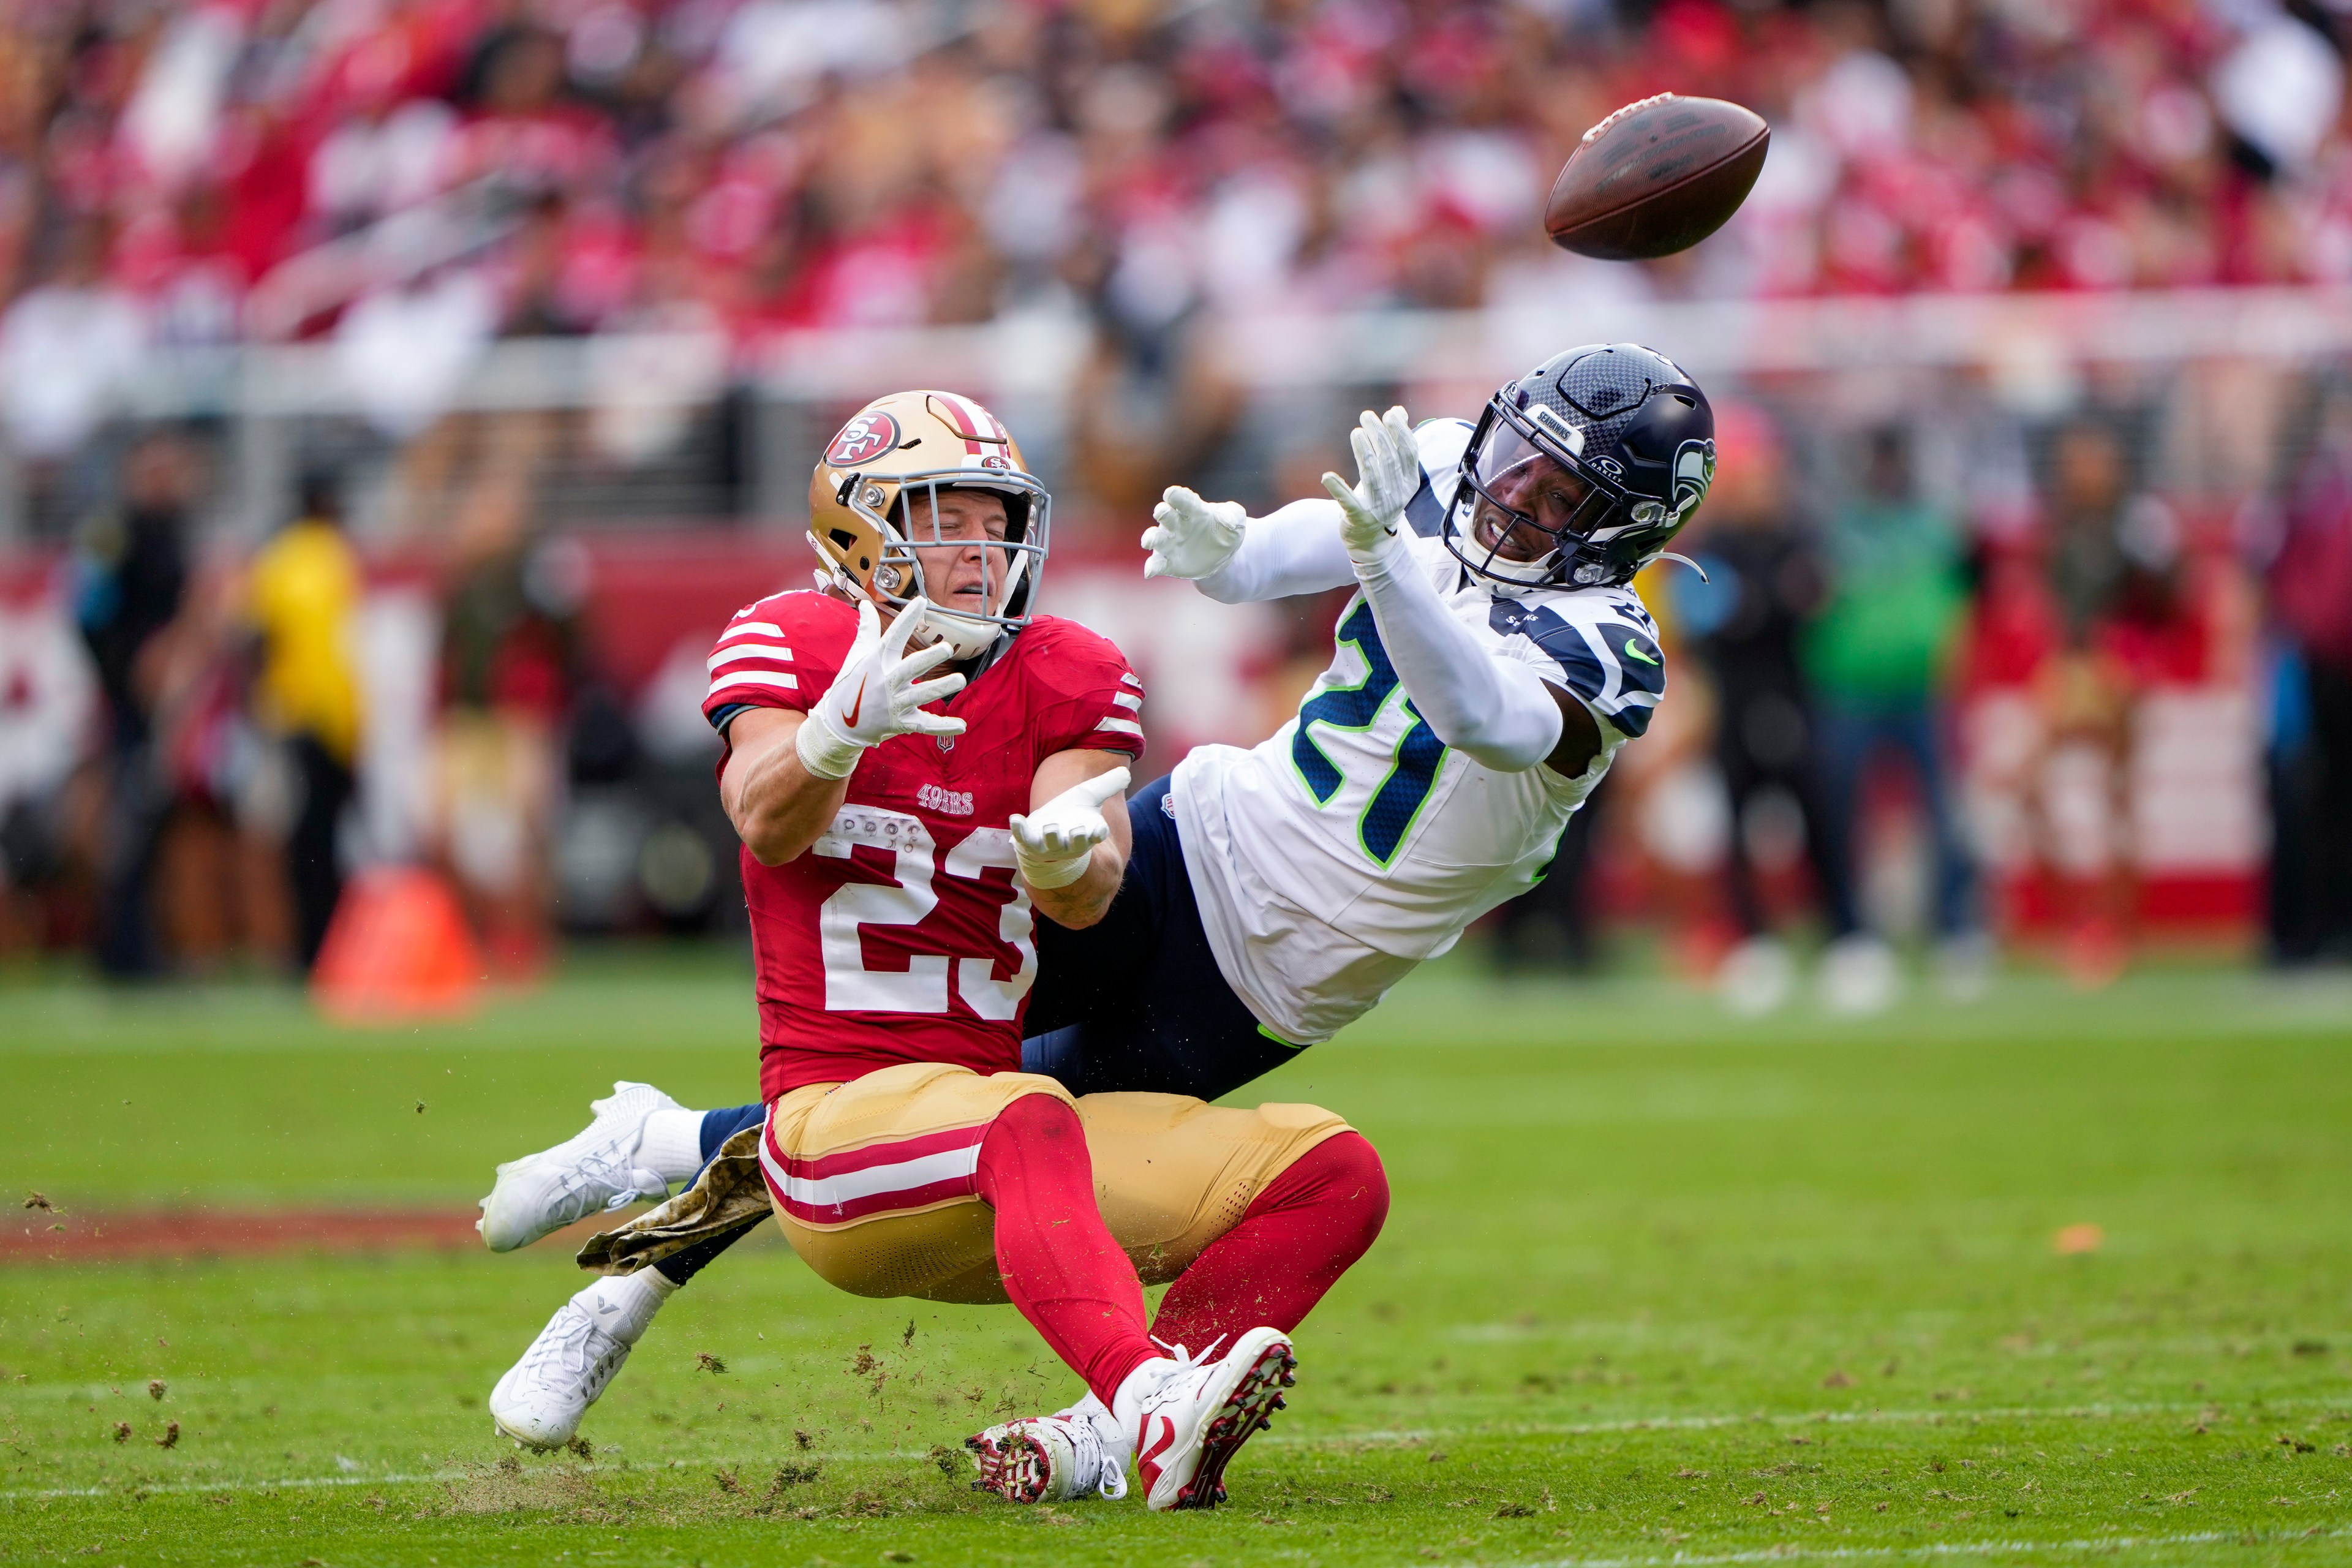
pixel 1054 843
pixel 1388 470
pixel 879 693
pixel 1193 538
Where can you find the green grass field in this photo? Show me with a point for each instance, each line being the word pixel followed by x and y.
pixel 1658 1287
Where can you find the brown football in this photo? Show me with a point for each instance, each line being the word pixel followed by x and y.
pixel 1655 177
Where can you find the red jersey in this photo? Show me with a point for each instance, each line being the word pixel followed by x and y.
pixel 903 935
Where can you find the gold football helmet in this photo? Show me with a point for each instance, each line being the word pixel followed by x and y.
pixel 874 499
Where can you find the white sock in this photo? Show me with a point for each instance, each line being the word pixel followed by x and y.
pixel 1095 1413
pixel 624 1306
pixel 1127 1403
pixel 671 1145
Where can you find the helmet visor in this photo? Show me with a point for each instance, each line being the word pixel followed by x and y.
pixel 1530 499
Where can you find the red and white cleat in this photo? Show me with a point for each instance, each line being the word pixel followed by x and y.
pixel 1049 1458
pixel 1192 1423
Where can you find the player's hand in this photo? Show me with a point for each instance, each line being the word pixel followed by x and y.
pixel 880 692
pixel 1388 475
pixel 1191 538
pixel 1056 843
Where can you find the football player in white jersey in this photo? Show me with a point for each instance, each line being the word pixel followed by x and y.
pixel 1492 661
pixel 1491 664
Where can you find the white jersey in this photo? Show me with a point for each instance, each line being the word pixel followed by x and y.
pixel 1329 859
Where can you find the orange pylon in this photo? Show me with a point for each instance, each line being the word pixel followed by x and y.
pixel 398 947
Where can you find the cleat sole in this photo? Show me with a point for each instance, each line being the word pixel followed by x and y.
pixel 1015 1471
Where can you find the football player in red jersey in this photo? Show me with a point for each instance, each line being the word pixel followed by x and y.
pixel 903 813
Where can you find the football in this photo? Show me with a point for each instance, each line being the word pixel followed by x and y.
pixel 1655 177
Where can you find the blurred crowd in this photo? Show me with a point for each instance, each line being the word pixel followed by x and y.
pixel 1895 718
pixel 196 759
pixel 198 173
pixel 1988 631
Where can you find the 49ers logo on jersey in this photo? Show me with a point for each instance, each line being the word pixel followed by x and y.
pixel 862 440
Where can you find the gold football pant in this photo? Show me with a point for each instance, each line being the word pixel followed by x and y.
pixel 874 1181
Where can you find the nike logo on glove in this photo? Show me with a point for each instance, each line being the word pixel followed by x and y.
pixel 850 718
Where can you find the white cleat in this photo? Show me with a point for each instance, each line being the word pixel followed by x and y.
pixel 1052 1458
pixel 1190 1425
pixel 541 1399
pixel 1859 976
pixel 1757 977
pixel 595 1171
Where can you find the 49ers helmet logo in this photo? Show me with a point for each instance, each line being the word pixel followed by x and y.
pixel 862 440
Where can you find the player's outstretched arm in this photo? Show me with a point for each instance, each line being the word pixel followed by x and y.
pixel 1493 709
pixel 1073 844
pixel 1235 559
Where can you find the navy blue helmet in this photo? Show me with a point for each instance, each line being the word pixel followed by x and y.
pixel 1582 471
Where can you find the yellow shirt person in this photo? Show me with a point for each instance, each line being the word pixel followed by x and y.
pixel 304 594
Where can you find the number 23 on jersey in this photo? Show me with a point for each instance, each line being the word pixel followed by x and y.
pixel 856 908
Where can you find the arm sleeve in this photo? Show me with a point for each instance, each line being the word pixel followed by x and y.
pixel 1493 709
pixel 1295 550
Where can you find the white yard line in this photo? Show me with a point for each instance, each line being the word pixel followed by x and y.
pixel 1327 1440
pixel 1930 1549
pixel 1955 1416
pixel 438 1477
pixel 162 1487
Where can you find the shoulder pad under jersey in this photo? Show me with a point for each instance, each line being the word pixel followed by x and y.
pixel 1442 442
pixel 1608 651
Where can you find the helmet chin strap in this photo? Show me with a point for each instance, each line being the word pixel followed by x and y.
pixel 969 638
pixel 972 636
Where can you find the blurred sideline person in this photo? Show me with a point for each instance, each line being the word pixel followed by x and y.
pixel 2311 593
pixel 131 584
pixel 1490 665
pixel 905 816
pixel 510 639
pixel 1744 621
pixel 1876 654
pixel 302 595
pixel 2110 565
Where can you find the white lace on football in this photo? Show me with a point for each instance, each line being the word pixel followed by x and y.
pixel 1615 115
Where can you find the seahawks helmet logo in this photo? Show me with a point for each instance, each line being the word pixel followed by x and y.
pixel 1694 473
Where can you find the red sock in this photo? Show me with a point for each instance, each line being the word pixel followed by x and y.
pixel 1060 1265
pixel 1308 1229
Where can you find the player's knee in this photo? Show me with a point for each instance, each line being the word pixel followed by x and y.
pixel 1358 1184
pixel 1040 1117
pixel 1340 1179
pixel 1036 1138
